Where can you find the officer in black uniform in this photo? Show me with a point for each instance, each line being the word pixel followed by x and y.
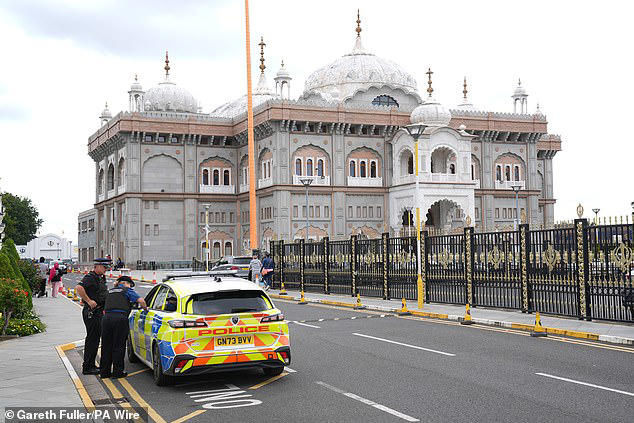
pixel 93 290
pixel 115 327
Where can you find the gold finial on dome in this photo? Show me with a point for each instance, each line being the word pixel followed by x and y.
pixel 262 45
pixel 358 24
pixel 429 73
pixel 464 88
pixel 167 64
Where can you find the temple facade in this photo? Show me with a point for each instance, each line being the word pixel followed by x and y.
pixel 342 142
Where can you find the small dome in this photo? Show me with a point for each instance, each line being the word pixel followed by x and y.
pixel 167 96
pixel 261 94
pixel 105 113
pixel 136 85
pixel 519 90
pixel 282 73
pixel 431 113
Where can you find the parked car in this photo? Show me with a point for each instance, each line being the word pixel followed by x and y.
pixel 238 263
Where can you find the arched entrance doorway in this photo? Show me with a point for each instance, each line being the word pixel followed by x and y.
pixel 408 222
pixel 444 216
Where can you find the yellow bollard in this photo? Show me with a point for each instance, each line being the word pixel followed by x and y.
pixel 404 311
pixel 302 300
pixel 142 278
pixel 538 330
pixel 358 305
pixel 466 320
pixel 283 290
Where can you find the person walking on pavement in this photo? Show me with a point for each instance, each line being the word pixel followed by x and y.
pixel 93 290
pixel 42 272
pixel 255 268
pixel 55 278
pixel 267 273
pixel 115 327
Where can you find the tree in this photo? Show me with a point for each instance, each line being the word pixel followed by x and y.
pixel 9 250
pixel 21 218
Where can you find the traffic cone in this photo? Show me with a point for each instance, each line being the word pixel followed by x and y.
pixel 142 278
pixel 538 330
pixel 283 290
pixel 75 297
pixel 302 300
pixel 404 311
pixel 358 305
pixel 154 278
pixel 466 320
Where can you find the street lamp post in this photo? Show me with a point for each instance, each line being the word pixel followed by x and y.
pixel 596 215
pixel 516 190
pixel 416 131
pixel 306 182
pixel 207 237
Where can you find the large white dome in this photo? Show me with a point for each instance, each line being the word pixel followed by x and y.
pixel 357 71
pixel 168 96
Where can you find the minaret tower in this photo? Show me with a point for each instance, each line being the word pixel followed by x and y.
pixel 136 96
pixel 105 115
pixel 520 96
pixel 281 79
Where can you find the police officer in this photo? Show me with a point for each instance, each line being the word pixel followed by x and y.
pixel 115 327
pixel 93 290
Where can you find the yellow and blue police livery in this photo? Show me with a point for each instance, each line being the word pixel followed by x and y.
pixel 200 323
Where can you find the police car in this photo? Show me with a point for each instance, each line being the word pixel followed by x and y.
pixel 202 323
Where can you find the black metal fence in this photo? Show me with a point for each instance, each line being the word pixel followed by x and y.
pixel 584 271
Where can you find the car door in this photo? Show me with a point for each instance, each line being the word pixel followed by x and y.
pixel 137 324
pixel 146 321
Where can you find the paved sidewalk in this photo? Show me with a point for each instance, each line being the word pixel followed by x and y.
pixel 31 371
pixel 603 331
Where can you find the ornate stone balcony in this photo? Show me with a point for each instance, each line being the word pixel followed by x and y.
pixel 509 184
pixel 263 183
pixel 317 180
pixel 217 189
pixel 357 181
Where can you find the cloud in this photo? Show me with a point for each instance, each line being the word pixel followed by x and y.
pixel 134 28
pixel 10 113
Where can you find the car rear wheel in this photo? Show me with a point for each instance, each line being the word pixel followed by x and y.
pixel 273 371
pixel 160 378
pixel 132 358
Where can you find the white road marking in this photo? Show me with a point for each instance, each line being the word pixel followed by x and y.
pixel 586 384
pixel 369 402
pixel 306 324
pixel 288 369
pixel 405 345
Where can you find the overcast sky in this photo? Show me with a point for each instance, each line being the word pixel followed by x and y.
pixel 62 60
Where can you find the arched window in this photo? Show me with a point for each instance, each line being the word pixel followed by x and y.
pixel 121 172
pixel 372 169
pixel 320 167
pixel 410 165
pixel 309 167
pixel 110 177
pixel 507 173
pixel 268 169
pixel 353 168
pixel 472 171
pixel 362 170
pixel 384 100
pixel 517 173
pixel 100 182
pixel 498 173
pixel 205 177
pixel 216 250
pixel 226 180
pixel 216 177
pixel 452 169
pixel 298 167
pixel 228 248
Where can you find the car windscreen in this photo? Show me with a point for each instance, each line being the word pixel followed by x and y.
pixel 226 302
pixel 242 260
